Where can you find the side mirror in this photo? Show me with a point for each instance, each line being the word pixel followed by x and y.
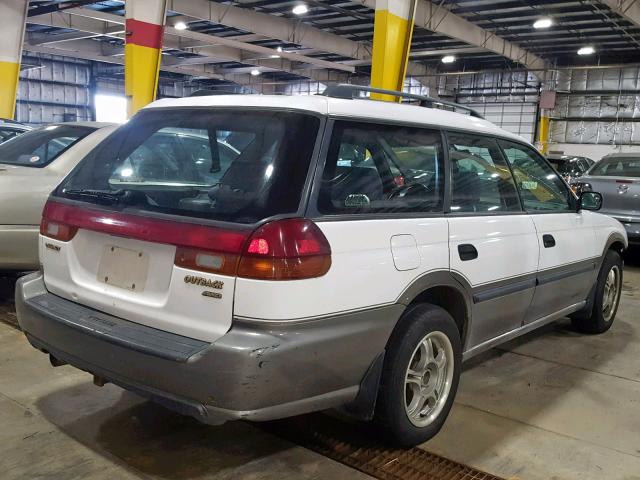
pixel 590 201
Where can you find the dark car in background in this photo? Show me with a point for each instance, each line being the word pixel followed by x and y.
pixel 569 166
pixel 10 129
pixel 617 178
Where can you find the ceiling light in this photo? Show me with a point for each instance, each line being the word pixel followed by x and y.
pixel 300 9
pixel 586 50
pixel 279 49
pixel 274 56
pixel 448 59
pixel 543 23
pixel 255 72
pixel 180 26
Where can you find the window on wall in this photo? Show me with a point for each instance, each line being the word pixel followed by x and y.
pixel 481 179
pixel 110 108
pixel 382 169
pixel 540 186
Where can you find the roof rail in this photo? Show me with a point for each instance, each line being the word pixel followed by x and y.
pixel 207 93
pixel 348 91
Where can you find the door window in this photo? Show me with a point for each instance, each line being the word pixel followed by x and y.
pixel 382 168
pixel 540 186
pixel 481 179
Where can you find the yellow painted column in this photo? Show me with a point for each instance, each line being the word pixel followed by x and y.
pixel 392 32
pixel 543 134
pixel 13 14
pixel 143 51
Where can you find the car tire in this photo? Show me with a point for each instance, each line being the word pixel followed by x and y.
pixel 606 297
pixel 427 340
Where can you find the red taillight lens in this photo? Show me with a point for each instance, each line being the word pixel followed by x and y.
pixel 290 249
pixel 57 230
pixel 283 250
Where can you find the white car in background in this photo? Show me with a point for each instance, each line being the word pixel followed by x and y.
pixel 10 129
pixel 31 166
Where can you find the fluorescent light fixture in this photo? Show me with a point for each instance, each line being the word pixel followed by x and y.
pixel 279 49
pixel 255 72
pixel 180 26
pixel 543 23
pixel 300 9
pixel 448 59
pixel 274 56
pixel 586 50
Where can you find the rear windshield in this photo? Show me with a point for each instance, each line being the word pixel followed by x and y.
pixel 571 166
pixel 229 165
pixel 40 147
pixel 617 167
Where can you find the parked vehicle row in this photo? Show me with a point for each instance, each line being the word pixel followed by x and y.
pixel 255 257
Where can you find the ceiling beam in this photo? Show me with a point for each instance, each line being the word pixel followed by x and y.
pixel 628 9
pixel 270 26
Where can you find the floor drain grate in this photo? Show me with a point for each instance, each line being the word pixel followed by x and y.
pixel 351 446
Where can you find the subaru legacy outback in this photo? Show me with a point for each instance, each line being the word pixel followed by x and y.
pixel 257 257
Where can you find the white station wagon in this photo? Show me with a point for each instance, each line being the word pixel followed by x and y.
pixel 336 252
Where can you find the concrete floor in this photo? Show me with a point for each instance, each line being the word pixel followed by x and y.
pixel 552 405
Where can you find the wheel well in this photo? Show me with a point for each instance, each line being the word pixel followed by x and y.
pixel 617 246
pixel 452 300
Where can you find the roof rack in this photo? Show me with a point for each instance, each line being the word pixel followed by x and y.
pixel 207 93
pixel 348 91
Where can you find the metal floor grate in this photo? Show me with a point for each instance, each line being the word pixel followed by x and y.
pixel 352 445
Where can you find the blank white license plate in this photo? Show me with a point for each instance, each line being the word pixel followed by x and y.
pixel 123 268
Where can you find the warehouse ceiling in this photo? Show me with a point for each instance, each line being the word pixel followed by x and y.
pixel 225 41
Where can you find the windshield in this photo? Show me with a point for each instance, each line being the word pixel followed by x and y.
pixel 567 166
pixel 228 165
pixel 40 147
pixel 617 167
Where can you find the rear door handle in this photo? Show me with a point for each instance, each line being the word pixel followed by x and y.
pixel 467 252
pixel 548 241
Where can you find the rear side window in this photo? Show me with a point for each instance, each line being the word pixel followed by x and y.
pixel 382 169
pixel 220 164
pixel 481 179
pixel 40 147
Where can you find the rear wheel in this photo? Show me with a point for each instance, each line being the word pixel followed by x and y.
pixel 607 296
pixel 420 376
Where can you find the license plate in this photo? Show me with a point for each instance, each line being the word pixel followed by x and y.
pixel 123 268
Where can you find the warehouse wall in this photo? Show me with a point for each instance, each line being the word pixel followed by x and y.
pixel 597 111
pixel 53 89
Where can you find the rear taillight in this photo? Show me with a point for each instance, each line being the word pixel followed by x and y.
pixel 290 249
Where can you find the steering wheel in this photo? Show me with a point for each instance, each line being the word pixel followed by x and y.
pixel 409 190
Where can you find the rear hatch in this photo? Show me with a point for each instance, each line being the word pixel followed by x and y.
pixel 149 227
pixel 618 180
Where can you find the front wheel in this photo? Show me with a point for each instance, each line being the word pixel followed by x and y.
pixel 607 297
pixel 420 376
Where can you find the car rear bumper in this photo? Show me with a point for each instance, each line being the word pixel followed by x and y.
pixel 19 247
pixel 256 371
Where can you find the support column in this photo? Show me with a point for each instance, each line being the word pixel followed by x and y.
pixel 13 14
pixel 143 51
pixel 543 133
pixel 393 29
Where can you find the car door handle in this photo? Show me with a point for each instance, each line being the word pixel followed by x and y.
pixel 467 252
pixel 548 241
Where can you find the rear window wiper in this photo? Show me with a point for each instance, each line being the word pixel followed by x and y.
pixel 111 197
